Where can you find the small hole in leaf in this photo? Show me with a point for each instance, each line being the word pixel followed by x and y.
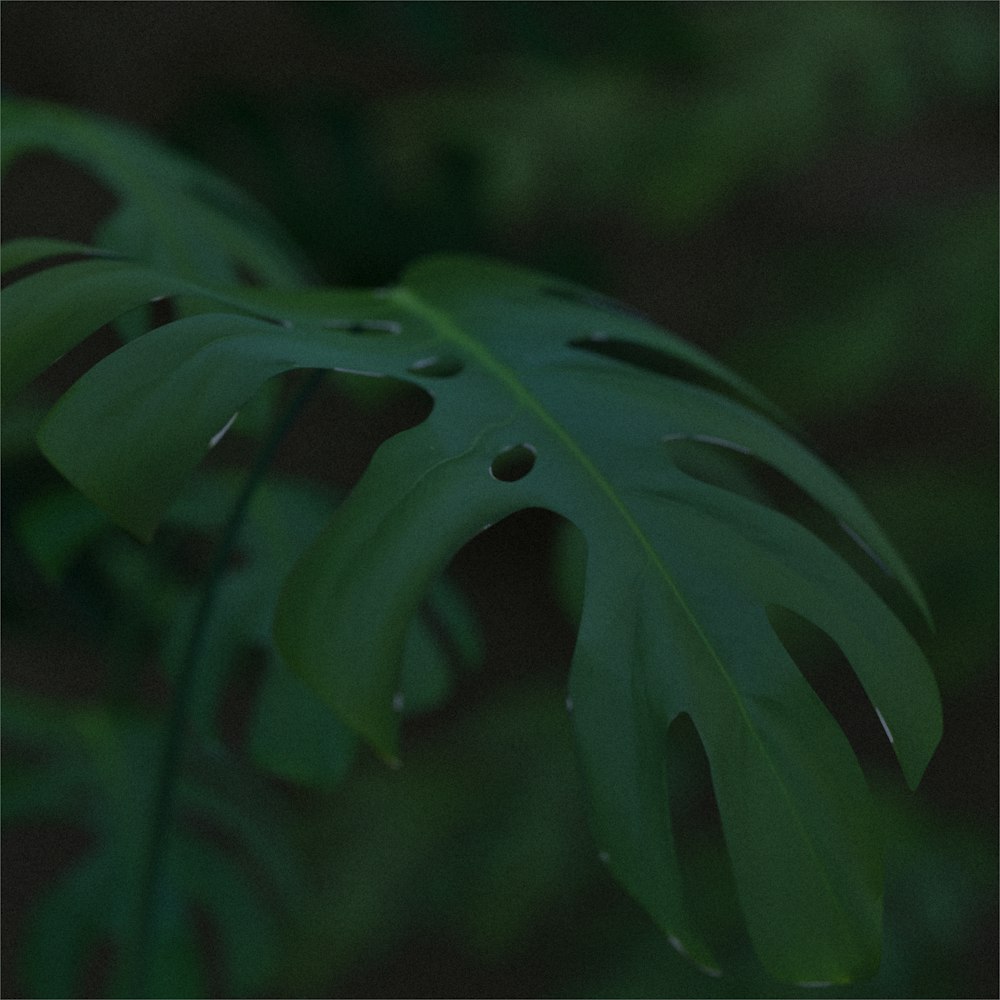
pixel 513 463
pixel 437 366
pixel 367 328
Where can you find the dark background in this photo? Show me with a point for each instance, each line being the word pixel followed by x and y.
pixel 806 190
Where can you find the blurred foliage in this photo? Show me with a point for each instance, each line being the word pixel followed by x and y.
pixel 529 116
pixel 877 322
pixel 809 189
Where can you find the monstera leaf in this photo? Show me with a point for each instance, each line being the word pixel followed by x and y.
pixel 544 396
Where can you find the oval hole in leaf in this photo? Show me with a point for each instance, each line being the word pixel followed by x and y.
pixel 368 328
pixel 437 366
pixel 513 463
pixel 823 664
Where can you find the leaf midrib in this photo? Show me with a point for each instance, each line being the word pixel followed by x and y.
pixel 442 323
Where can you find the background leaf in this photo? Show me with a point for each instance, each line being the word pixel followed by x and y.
pixel 170 213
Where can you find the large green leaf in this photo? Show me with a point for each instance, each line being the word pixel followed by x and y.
pixel 544 395
pixel 529 411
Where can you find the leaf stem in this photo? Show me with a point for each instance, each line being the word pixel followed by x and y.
pixel 141 960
